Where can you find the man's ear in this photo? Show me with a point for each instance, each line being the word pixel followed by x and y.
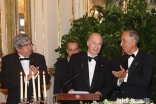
pixel 133 42
pixel 66 50
pixel 18 49
pixel 87 43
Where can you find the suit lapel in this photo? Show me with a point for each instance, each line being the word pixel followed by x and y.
pixel 31 59
pixel 85 68
pixel 97 71
pixel 124 62
pixel 136 61
pixel 19 65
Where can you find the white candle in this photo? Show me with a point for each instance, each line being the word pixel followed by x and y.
pixel 21 86
pixel 39 92
pixel 44 85
pixel 34 88
pixel 26 86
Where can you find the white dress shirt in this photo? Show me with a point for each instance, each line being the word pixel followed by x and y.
pixel 130 60
pixel 91 66
pixel 25 65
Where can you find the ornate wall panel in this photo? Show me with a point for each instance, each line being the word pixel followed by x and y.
pixel 10 24
pixel 11 16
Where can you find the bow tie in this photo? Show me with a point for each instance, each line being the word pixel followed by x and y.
pixel 90 58
pixel 128 56
pixel 24 59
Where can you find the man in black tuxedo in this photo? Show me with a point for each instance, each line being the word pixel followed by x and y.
pixel 88 74
pixel 71 48
pixel 27 62
pixel 132 71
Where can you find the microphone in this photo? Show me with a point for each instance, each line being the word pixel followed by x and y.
pixel 72 78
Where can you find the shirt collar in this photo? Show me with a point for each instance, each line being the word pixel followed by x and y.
pixel 136 52
pixel 68 58
pixel 90 55
pixel 20 56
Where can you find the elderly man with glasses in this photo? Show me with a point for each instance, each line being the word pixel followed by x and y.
pixel 24 61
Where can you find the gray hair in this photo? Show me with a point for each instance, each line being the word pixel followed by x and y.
pixel 20 39
pixel 134 34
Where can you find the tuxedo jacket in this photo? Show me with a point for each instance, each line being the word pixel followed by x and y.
pixel 139 76
pixel 78 71
pixel 11 68
pixel 60 67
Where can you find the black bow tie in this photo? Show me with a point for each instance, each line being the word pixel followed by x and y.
pixel 24 59
pixel 128 56
pixel 90 58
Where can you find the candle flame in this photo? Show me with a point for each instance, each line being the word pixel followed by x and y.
pixel 43 72
pixel 21 73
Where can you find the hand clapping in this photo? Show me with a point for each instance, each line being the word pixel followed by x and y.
pixel 120 74
pixel 34 70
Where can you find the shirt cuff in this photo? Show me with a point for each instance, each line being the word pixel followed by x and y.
pixel 36 76
pixel 125 79
pixel 119 83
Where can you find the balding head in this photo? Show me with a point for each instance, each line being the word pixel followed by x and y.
pixel 94 44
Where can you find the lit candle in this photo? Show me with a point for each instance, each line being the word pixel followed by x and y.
pixel 21 86
pixel 26 86
pixel 34 88
pixel 44 85
pixel 39 93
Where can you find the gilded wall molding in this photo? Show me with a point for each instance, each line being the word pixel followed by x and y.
pixel 72 10
pixel 1 53
pixel 35 33
pixel 27 15
pixel 59 24
pixel 0 17
pixel 43 28
pixel 12 21
pixel 10 24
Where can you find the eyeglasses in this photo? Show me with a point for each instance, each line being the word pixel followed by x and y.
pixel 27 45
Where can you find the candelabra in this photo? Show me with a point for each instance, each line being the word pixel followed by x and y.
pixel 24 101
pixel 34 101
